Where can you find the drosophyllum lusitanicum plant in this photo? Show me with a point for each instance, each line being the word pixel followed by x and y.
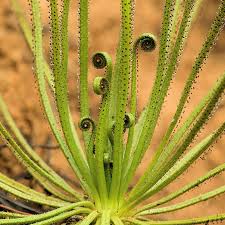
pixel 113 145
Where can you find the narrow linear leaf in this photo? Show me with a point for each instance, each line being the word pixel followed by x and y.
pixel 26 29
pixel 57 213
pixel 200 220
pixel 105 218
pixel 83 57
pixel 41 175
pixel 101 137
pixel 185 189
pixel 39 68
pixel 29 151
pixel 117 221
pixel 184 204
pixel 62 216
pixel 124 74
pixel 147 43
pixel 90 218
pixel 168 9
pixel 11 215
pixel 184 163
pixel 27 193
pixel 182 138
pixel 215 29
pixel 63 104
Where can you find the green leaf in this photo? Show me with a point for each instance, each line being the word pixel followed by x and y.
pixel 200 220
pixel 11 215
pixel 26 29
pixel 147 43
pixel 83 57
pixel 62 99
pixel 169 5
pixel 185 189
pixel 181 139
pixel 105 218
pixel 183 164
pixel 90 218
pixel 49 182
pixel 39 69
pixel 180 166
pixel 215 29
pixel 30 152
pixel 101 135
pixel 121 101
pixel 184 204
pixel 53 213
pixel 62 216
pixel 27 193
pixel 117 221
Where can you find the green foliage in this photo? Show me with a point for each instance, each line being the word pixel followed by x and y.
pixel 106 165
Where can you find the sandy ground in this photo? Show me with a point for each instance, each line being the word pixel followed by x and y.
pixel 19 89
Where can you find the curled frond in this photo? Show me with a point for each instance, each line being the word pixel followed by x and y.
pixel 99 60
pixel 129 120
pixel 86 124
pixel 146 131
pixel 147 42
pixel 100 85
pixel 106 164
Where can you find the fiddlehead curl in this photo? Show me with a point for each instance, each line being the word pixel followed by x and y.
pixel 99 60
pixel 111 131
pixel 147 42
pixel 129 120
pixel 102 60
pixel 86 124
pixel 101 85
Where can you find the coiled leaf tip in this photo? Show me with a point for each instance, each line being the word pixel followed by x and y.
pixel 86 124
pixel 101 85
pixel 129 120
pixel 99 60
pixel 147 42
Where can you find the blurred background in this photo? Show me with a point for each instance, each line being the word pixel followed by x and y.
pixel 18 87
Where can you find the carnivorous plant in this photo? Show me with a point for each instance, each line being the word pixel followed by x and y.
pixel 114 144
